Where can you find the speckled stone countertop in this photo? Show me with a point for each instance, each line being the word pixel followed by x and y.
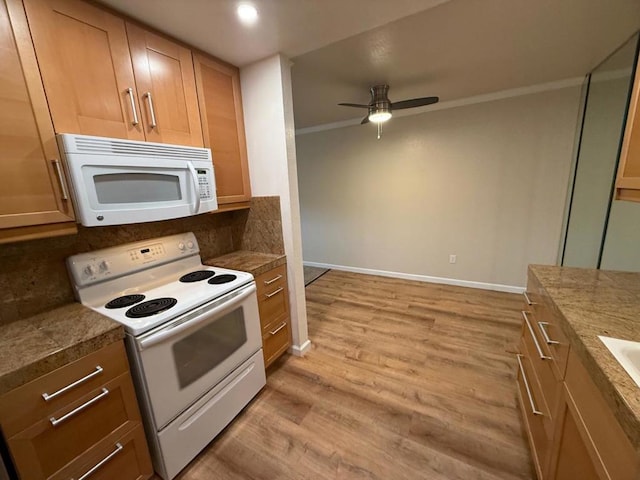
pixel 38 345
pixel 253 262
pixel 600 302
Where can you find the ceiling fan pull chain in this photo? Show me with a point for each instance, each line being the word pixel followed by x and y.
pixel 379 130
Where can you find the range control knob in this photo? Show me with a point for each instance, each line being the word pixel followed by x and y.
pixel 181 246
pixel 90 270
pixel 104 266
pixel 190 244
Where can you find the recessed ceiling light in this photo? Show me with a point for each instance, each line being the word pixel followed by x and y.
pixel 247 13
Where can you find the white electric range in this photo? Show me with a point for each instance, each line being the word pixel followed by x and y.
pixel 192 334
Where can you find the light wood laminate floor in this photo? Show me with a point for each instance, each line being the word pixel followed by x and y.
pixel 405 380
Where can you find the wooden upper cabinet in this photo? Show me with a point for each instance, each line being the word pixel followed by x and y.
pixel 223 127
pixel 167 88
pixel 86 68
pixel 628 180
pixel 33 190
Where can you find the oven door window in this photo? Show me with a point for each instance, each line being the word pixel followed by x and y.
pixel 203 350
pixel 135 187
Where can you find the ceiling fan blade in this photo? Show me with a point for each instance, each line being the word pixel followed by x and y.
pixel 357 105
pixel 365 120
pixel 414 102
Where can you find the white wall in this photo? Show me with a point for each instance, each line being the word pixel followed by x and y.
pixel 268 113
pixel 486 182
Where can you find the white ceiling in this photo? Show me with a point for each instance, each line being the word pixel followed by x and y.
pixel 449 48
pixel 291 27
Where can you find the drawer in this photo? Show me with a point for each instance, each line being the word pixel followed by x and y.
pixel 273 301
pixel 550 342
pixel 545 375
pixel 271 280
pixel 275 342
pixel 25 405
pixel 55 440
pixel 123 457
pixel 531 405
pixel 606 437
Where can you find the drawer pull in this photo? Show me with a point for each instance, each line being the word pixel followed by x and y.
pixel 545 335
pixel 97 371
pixel 534 409
pixel 526 297
pixel 56 421
pixel 275 279
pixel 533 336
pixel 275 292
pixel 89 472
pixel 282 325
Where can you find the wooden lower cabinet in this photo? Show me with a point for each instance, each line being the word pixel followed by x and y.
pixel 79 418
pixel 273 304
pixel 572 432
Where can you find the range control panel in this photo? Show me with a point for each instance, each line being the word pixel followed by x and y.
pixel 99 265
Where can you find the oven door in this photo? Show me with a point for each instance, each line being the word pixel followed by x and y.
pixel 187 357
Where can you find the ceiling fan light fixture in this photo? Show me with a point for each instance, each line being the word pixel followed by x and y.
pixel 379 116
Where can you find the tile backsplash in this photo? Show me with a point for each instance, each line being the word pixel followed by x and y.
pixel 33 274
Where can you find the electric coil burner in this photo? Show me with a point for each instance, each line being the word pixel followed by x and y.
pixel 197 276
pixel 124 301
pixel 220 279
pixel 192 334
pixel 151 307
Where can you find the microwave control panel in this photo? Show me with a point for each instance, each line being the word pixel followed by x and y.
pixel 204 183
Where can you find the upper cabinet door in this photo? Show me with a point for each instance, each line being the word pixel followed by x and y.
pixel 167 88
pixel 223 127
pixel 86 68
pixel 628 180
pixel 33 190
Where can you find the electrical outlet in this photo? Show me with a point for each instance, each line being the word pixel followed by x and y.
pixel 453 258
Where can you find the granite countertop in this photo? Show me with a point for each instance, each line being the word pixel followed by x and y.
pixel 600 302
pixel 37 345
pixel 255 263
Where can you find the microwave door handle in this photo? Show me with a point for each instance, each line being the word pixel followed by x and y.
pixel 196 186
pixel 171 331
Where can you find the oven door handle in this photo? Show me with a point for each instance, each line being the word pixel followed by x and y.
pixel 221 305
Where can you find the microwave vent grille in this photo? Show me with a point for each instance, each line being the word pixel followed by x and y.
pixel 141 149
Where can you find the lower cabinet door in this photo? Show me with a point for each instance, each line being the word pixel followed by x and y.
pixel 123 458
pixel 572 454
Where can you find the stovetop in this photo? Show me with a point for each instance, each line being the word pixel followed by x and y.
pixel 149 274
pixel 188 296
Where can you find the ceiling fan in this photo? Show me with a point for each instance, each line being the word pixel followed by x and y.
pixel 380 107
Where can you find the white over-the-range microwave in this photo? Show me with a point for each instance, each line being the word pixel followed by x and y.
pixel 116 181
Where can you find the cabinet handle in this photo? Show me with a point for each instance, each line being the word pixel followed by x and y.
pixel 275 292
pixel 89 472
pixel 56 421
pixel 275 279
pixel 526 297
pixel 534 409
pixel 282 325
pixel 63 183
pixel 152 113
pixel 97 371
pixel 535 340
pixel 134 112
pixel 545 335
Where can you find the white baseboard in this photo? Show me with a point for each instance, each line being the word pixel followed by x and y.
pixel 300 350
pixel 421 278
